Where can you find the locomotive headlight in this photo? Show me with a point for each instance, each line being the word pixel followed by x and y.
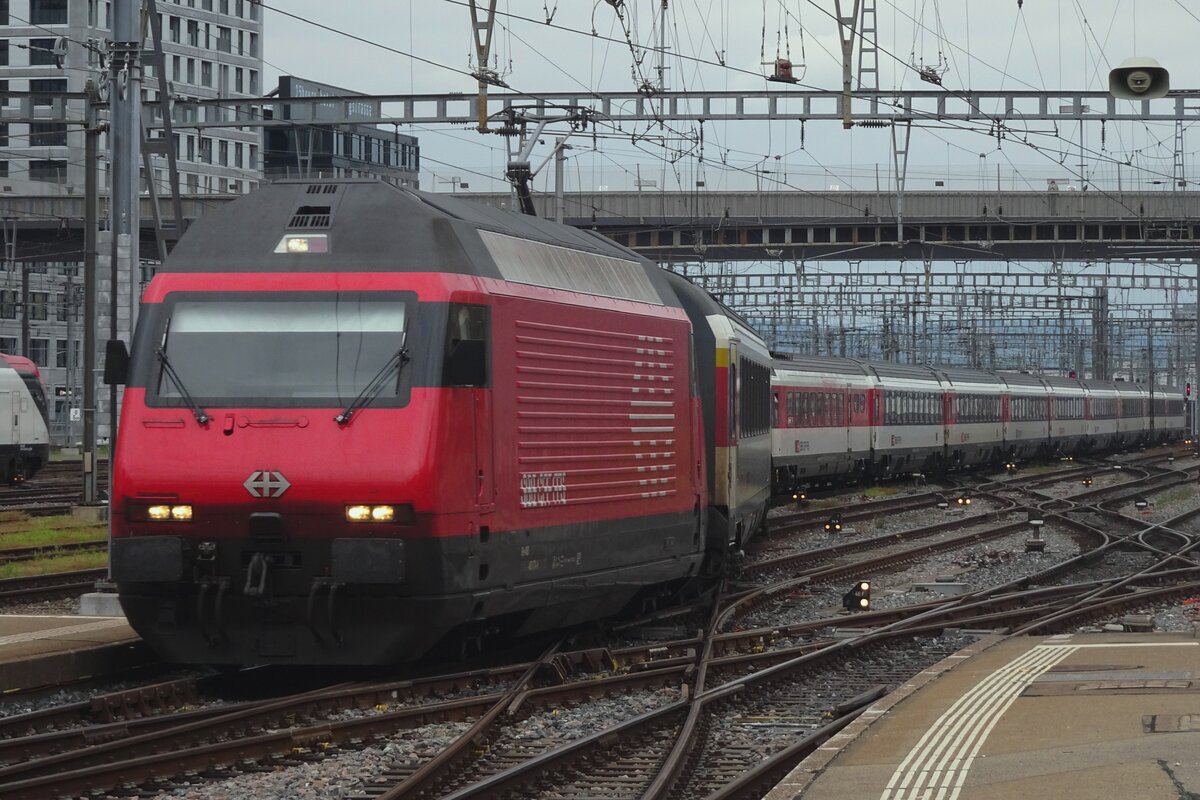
pixel 300 244
pixel 371 513
pixel 158 513
pixel 358 513
pixel 181 513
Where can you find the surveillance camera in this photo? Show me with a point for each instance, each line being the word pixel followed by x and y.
pixel 1139 79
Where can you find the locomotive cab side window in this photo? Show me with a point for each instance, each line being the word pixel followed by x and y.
pixel 466 346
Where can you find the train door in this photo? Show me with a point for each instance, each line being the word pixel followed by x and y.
pixel 847 425
pixel 469 336
pixel 10 430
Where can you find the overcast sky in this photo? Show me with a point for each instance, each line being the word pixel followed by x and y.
pixel 973 44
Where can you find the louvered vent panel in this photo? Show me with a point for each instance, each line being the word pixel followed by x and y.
pixel 598 416
pixel 322 188
pixel 310 217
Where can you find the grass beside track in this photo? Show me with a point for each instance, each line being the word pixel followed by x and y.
pixel 45 566
pixel 20 530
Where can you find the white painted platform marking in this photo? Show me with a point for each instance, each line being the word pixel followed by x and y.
pixel 936 767
pixel 67 630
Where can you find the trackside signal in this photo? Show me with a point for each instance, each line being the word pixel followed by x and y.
pixel 858 598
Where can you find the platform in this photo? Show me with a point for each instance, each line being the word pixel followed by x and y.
pixel 1074 716
pixel 38 650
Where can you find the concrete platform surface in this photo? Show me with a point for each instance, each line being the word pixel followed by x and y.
pixel 38 650
pixel 1075 716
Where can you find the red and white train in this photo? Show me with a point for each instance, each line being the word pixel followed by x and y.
pixel 24 420
pixel 360 421
pixel 836 418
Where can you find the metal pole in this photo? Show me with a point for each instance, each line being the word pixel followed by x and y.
pixel 24 305
pixel 560 144
pixel 125 147
pixel 90 220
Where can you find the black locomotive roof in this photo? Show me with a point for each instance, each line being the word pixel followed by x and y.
pixel 373 226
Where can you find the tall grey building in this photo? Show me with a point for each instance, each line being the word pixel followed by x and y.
pixel 212 49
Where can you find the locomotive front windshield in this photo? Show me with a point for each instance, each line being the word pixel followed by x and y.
pixel 281 352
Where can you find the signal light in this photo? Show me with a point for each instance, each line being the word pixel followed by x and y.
pixel 858 598
pixel 964 500
pixel 1187 390
pixel 1072 374
pixel 1087 481
pixel 800 498
pixel 834 524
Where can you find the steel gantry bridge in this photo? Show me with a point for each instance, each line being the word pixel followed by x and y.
pixel 913 313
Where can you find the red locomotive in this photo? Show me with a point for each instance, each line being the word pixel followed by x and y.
pixel 361 421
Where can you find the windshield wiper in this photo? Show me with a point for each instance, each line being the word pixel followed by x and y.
pixel 201 417
pixel 375 386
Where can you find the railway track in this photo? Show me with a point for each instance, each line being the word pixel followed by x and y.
pixel 55 584
pixel 716 714
pixel 53 491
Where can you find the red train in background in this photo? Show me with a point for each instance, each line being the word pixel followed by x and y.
pixel 361 421
pixel 837 419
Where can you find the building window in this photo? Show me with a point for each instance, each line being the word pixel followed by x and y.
pixel 60 352
pixel 37 304
pixel 191 71
pixel 41 52
pixel 3 52
pixel 3 93
pixel 253 81
pixel 224 39
pixel 237 155
pixel 223 153
pixel 239 83
pixel 39 351
pixel 3 134
pixel 173 28
pixel 8 304
pixel 3 169
pixel 48 134
pixel 193 33
pixel 191 148
pixel 8 344
pixel 48 12
pixel 206 5
pixel 51 89
pixel 48 170
pixel 254 44
pixel 224 6
pixel 3 12
pixel 206 73
pixel 60 306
